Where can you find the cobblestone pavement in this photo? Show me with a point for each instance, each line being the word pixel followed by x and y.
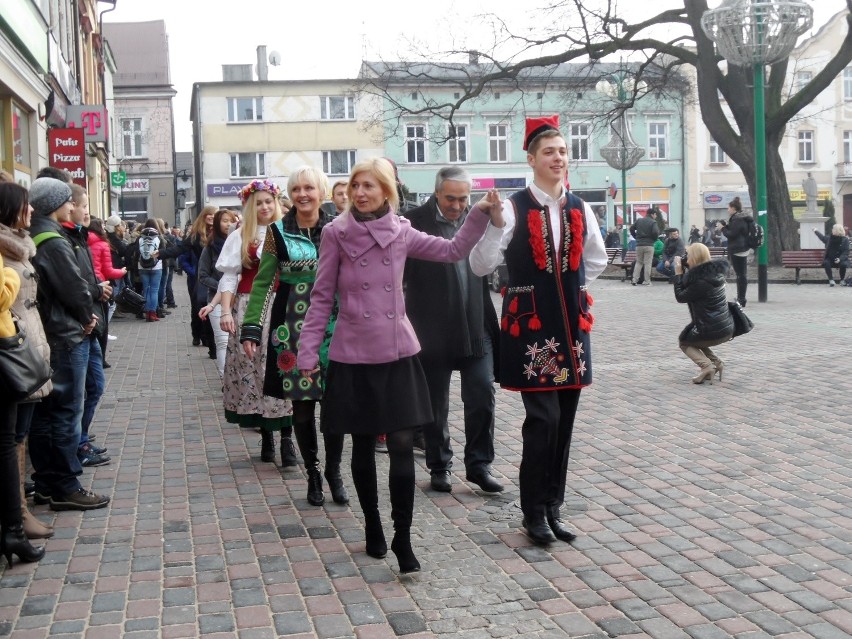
pixel 705 511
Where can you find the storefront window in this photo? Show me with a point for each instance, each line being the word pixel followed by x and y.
pixel 20 136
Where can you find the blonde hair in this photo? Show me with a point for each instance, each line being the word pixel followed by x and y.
pixel 696 254
pixel 161 225
pixel 382 170
pixel 248 227
pixel 310 175
pixel 838 229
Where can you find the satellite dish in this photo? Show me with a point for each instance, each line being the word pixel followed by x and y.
pixel 274 58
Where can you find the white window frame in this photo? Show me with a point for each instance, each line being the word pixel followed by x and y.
pixel 717 155
pixel 135 137
pixel 847 146
pixel 416 134
pixel 259 165
pixel 801 80
pixel 235 113
pixel 581 142
pixel 657 139
pixel 847 84
pixel 328 113
pixel 458 146
pixel 805 146
pixel 500 138
pixel 327 161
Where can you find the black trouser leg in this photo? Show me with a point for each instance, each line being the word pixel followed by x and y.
pixel 546 433
pixel 436 434
pixel 10 487
pixel 740 264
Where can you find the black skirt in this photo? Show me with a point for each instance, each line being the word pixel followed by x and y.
pixel 372 399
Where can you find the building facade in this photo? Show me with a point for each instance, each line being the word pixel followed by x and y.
pixel 144 120
pixel 487 134
pixel 245 129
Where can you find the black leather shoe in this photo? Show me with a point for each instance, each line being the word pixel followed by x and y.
pixel 485 481
pixel 539 532
pixel 560 530
pixel 441 481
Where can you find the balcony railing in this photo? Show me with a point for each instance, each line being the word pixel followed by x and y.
pixel 844 171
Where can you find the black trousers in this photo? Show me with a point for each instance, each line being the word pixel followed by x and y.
pixel 740 264
pixel 10 486
pixel 546 433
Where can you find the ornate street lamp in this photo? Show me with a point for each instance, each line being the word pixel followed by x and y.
pixel 621 152
pixel 753 33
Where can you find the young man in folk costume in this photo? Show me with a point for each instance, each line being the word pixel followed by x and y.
pixel 553 250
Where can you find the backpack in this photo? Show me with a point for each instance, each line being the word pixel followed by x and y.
pixel 148 244
pixel 755 234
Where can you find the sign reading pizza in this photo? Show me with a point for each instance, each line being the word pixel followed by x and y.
pixel 67 150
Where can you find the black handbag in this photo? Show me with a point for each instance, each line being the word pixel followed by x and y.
pixel 742 323
pixel 23 370
pixel 129 300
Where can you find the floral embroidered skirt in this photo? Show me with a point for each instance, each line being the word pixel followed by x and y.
pixel 245 403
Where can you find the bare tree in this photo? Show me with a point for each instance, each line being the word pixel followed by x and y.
pixel 595 30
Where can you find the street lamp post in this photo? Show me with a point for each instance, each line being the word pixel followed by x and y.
pixel 621 152
pixel 755 33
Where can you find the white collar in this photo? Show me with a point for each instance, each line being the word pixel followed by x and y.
pixel 545 198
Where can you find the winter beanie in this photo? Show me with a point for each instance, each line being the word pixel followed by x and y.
pixel 48 194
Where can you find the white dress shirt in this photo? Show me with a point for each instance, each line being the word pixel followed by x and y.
pixel 488 253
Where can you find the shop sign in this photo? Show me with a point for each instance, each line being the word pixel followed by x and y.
pixel 224 190
pixel 92 118
pixel 137 185
pixel 67 150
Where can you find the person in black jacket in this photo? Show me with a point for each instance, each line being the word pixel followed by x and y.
pixel 207 285
pixel 455 320
pixel 836 253
pixel 67 308
pixel 700 283
pixel 645 230
pixel 736 230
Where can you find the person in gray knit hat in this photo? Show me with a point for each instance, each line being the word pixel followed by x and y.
pixel 48 194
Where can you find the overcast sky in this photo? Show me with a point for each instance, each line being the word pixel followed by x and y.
pixel 323 39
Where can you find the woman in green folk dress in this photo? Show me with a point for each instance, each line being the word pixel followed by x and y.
pixel 290 256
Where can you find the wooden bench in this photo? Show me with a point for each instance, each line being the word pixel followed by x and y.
pixel 804 258
pixel 629 261
pixel 611 254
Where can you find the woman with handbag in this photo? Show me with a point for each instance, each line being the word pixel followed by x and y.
pixel 13 541
pixel 16 248
pixel 700 283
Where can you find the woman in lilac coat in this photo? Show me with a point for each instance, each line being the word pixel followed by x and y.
pixel 374 383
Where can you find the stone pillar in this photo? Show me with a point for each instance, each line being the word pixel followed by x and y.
pixel 807 237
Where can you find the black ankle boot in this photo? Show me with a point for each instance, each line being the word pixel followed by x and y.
pixel 375 536
pixel 401 546
pixel 14 542
pixel 288 453
pixel 267 446
pixel 335 485
pixel 315 496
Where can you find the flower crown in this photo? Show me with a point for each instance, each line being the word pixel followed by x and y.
pixel 259 185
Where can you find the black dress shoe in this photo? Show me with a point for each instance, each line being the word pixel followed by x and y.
pixel 441 481
pixel 560 530
pixel 539 532
pixel 485 481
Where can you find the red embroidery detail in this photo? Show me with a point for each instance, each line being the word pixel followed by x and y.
pixel 575 251
pixel 286 361
pixel 513 305
pixel 515 331
pixel 504 323
pixel 539 248
pixel 534 323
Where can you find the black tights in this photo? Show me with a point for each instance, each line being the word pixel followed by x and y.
pixel 400 478
pixel 304 427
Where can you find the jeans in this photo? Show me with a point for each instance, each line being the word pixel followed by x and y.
pixel 477 394
pixel 644 258
pixel 668 271
pixel 151 287
pixel 168 275
pixel 25 418
pixel 95 384
pixel 56 425
pixel 740 264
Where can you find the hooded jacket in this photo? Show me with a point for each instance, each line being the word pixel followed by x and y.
pixel 65 301
pixel 702 287
pixel 736 231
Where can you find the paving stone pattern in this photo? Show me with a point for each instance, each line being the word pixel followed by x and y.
pixel 704 511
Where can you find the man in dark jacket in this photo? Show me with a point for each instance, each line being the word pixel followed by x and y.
pixel 672 248
pixel 456 324
pixel 645 231
pixel 67 309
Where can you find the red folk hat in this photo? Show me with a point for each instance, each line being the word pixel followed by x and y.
pixel 535 126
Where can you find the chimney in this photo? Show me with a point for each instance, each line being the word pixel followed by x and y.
pixel 473 57
pixel 262 69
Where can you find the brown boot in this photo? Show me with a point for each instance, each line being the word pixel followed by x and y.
pixel 33 528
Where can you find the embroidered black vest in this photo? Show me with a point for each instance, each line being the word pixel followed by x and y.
pixel 544 330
